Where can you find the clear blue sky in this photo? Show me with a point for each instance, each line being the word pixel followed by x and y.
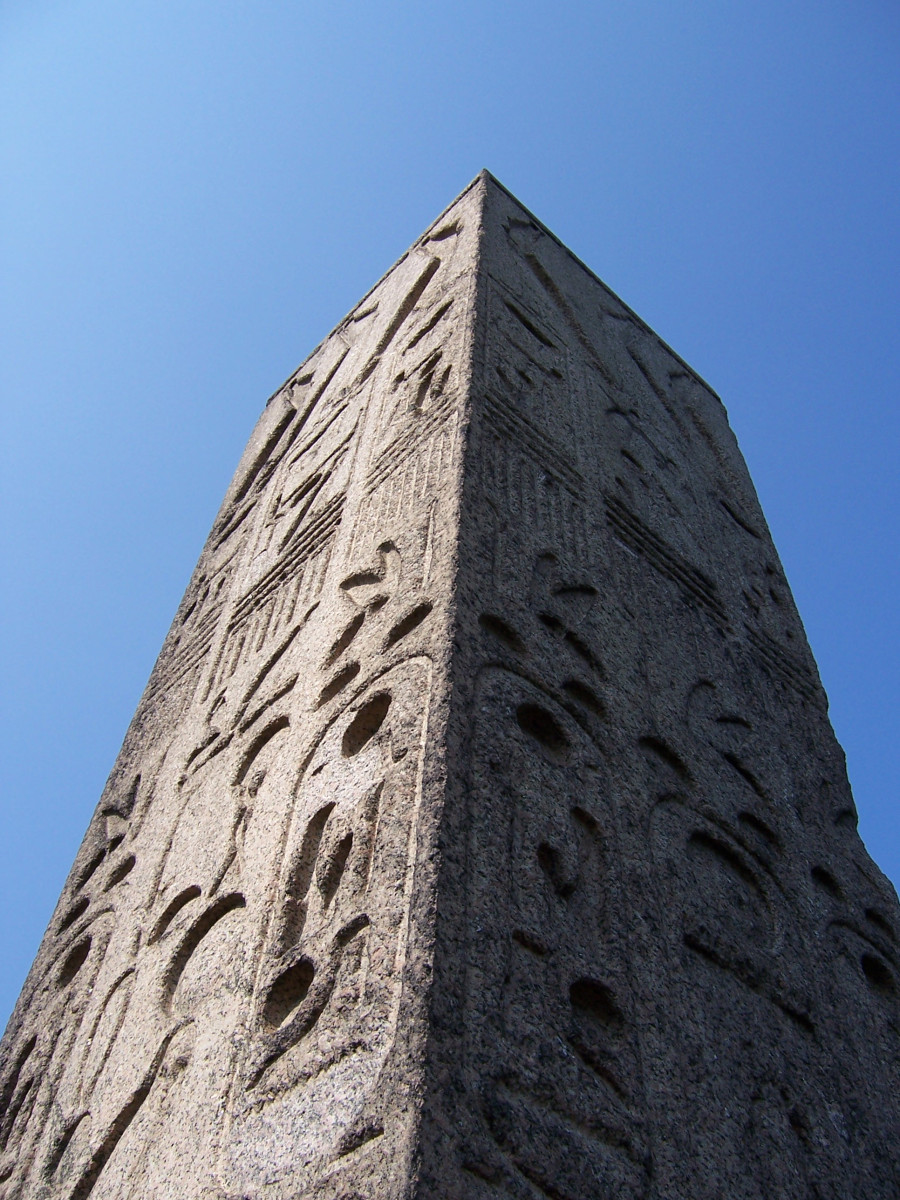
pixel 194 192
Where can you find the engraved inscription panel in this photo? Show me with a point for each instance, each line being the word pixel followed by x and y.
pixel 328 984
pixel 552 1032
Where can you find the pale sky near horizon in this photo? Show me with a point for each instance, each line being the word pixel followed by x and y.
pixel 192 194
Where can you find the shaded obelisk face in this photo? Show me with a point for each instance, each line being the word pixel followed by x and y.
pixel 673 930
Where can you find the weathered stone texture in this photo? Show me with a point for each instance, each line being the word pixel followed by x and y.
pixel 481 832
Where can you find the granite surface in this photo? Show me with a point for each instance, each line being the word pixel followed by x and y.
pixel 481 832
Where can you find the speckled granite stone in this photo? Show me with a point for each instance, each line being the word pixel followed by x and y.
pixel 481 832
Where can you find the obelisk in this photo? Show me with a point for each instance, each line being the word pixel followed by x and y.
pixel 481 832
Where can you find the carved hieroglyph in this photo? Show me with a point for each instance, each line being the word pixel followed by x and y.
pixel 481 832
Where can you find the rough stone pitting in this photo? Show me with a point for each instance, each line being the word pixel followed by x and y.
pixel 481 832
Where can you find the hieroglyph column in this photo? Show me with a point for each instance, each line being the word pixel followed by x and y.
pixel 481 832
